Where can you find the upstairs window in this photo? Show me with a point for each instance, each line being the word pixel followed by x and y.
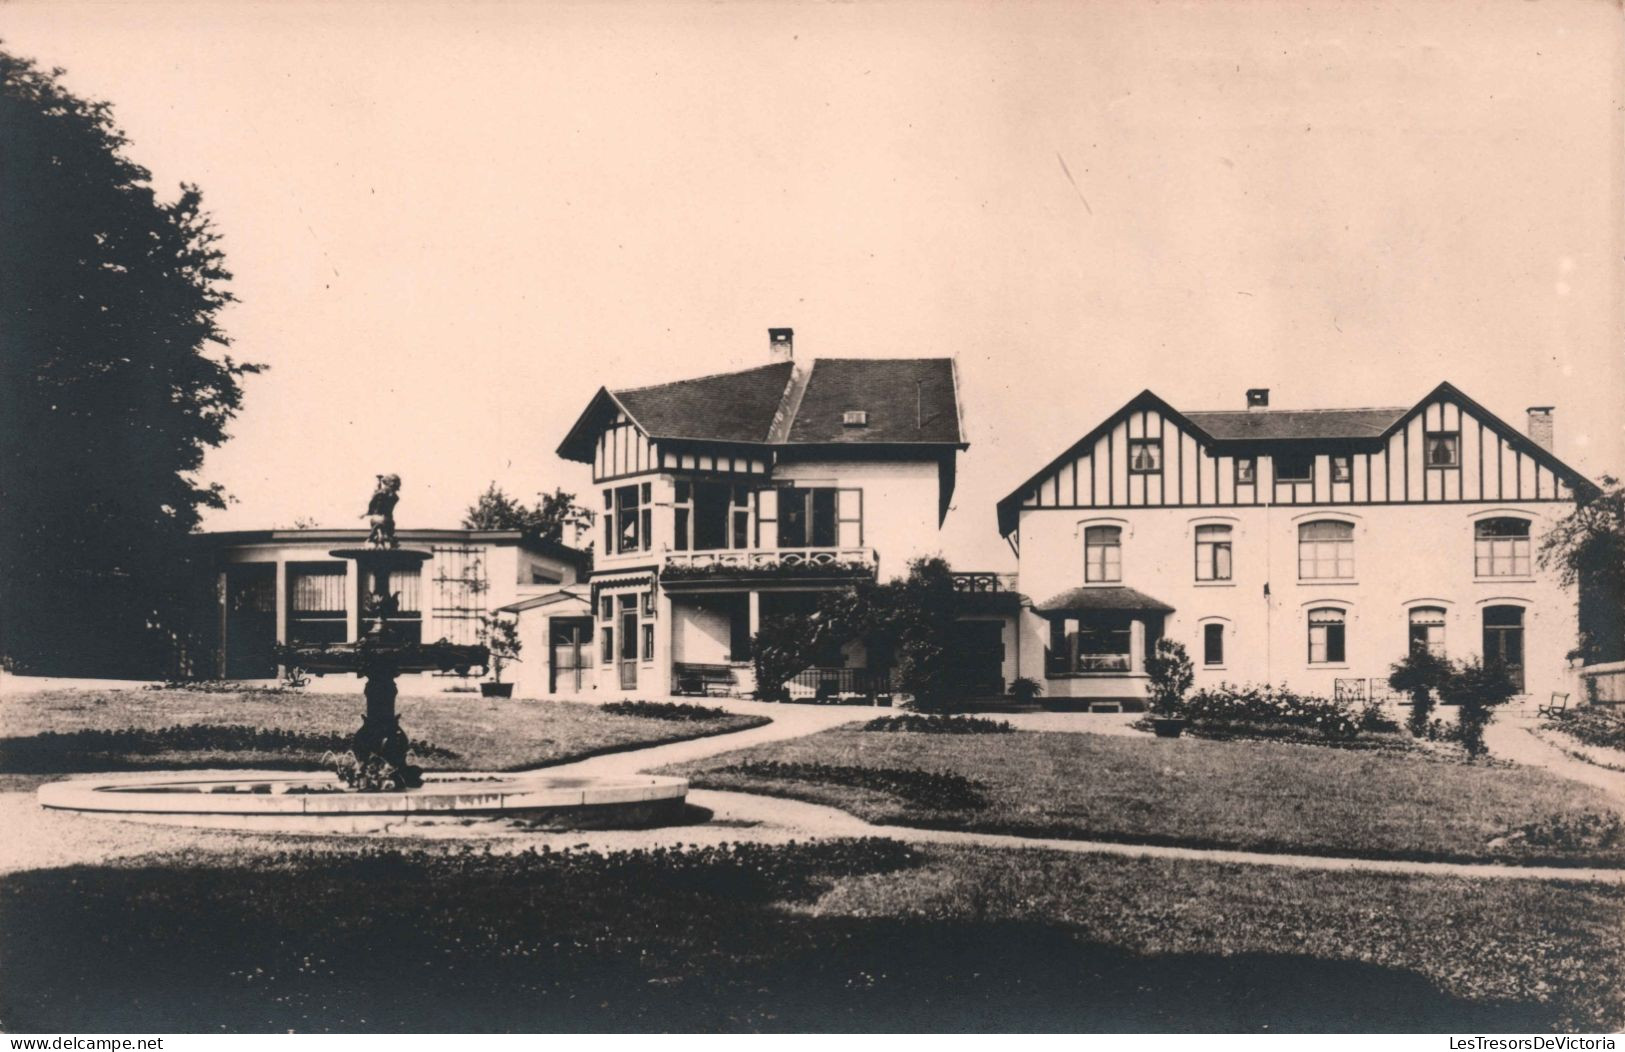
pixel 1294 467
pixel 709 515
pixel 1442 449
pixel 1327 643
pixel 1427 630
pixel 1102 554
pixel 1325 551
pixel 632 519
pixel 1145 456
pixel 1501 548
pixel 1246 471
pixel 1342 471
pixel 811 516
pixel 1213 553
pixel 1213 644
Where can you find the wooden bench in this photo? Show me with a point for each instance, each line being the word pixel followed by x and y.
pixel 707 680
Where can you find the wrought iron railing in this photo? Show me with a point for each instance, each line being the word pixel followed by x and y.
pixel 984 581
pixel 834 682
pixel 743 560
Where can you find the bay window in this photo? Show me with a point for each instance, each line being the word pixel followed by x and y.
pixel 1094 641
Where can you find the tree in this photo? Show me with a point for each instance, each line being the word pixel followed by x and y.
pixel 1475 688
pixel 113 386
pixel 1587 547
pixel 1172 674
pixel 1419 673
pixel 495 510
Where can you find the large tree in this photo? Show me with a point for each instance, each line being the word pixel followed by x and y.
pixel 1587 547
pixel 545 520
pixel 113 385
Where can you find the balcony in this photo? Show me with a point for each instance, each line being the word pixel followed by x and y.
pixel 983 581
pixel 763 565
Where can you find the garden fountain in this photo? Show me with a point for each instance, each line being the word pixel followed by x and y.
pixel 378 787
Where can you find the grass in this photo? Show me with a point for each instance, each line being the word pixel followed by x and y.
pixel 1260 796
pixel 835 936
pixel 67 731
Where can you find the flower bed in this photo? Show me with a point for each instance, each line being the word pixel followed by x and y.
pixel 1280 714
pixel 1593 727
pixel 661 710
pixel 924 789
pixel 922 724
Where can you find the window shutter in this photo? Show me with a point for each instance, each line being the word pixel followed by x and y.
pixel 849 517
pixel 767 518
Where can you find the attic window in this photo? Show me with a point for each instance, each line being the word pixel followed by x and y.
pixel 855 418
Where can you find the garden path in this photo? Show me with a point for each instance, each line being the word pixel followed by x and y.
pixel 1513 738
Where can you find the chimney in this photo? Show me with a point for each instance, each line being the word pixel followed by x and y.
pixel 1258 398
pixel 781 344
pixel 1540 426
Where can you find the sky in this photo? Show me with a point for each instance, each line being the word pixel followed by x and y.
pixel 449 224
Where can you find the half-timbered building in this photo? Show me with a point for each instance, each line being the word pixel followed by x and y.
pixel 733 497
pixel 1304 547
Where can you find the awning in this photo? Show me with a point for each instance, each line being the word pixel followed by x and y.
pixel 1112 597
pixel 549 599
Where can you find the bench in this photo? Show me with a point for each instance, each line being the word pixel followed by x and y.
pixel 707 680
pixel 1556 708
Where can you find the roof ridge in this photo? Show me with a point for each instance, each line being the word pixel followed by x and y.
pixel 692 379
pixel 1317 409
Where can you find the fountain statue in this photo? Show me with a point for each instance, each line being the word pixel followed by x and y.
pixel 382 652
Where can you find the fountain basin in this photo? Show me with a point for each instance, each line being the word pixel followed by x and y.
pixel 283 802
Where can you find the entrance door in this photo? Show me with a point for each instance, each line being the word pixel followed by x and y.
pixel 629 648
pixel 979 656
pixel 250 621
pixel 1503 640
pixel 571 643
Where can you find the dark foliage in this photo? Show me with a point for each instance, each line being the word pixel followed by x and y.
pixel 1025 688
pixel 55 752
pixel 1475 689
pixel 1593 727
pixel 1268 711
pixel 1588 549
pixel 110 390
pixel 931 790
pixel 782 648
pixel 1589 831
pixel 663 940
pixel 660 710
pixel 933 723
pixel 1419 674
pixel 545 521
pixel 1171 675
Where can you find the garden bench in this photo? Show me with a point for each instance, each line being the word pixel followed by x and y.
pixel 708 680
pixel 1556 708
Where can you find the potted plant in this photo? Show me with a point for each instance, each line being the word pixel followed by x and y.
pixel 1171 675
pixel 501 635
pixel 1025 688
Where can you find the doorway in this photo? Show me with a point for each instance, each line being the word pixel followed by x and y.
pixel 1503 641
pixel 570 639
pixel 250 621
pixel 629 643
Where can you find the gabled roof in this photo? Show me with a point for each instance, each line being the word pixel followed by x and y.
pixel 1278 424
pixel 907 401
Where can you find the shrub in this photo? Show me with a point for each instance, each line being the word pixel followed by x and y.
pixel 1475 688
pixel 1171 676
pixel 1585 831
pixel 936 724
pixel 1419 674
pixel 1025 688
pixel 1593 726
pixel 782 648
pixel 1269 712
pixel 931 790
pixel 660 710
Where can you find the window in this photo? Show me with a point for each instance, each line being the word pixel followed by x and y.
pixel 1145 456
pixel 1341 470
pixel 810 517
pixel 631 519
pixel 1503 640
pixel 1427 630
pixel 1213 553
pixel 648 642
pixel 1093 642
pixel 1326 640
pixel 710 515
pixel 1213 644
pixel 1246 471
pixel 1294 467
pixel 1102 554
pixel 316 606
pixel 649 603
pixel 1501 548
pixel 1325 551
pixel 606 644
pixel 1443 449
pixel 606 608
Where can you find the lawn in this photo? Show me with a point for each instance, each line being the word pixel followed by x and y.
pixel 834 936
pixel 65 731
pixel 1261 796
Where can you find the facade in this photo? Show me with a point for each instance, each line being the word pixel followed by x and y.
pixel 283 586
pixel 1297 547
pixel 729 498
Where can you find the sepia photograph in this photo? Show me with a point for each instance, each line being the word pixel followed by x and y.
pixel 722 517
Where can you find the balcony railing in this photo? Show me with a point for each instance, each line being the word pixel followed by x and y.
pixel 984 581
pixel 771 562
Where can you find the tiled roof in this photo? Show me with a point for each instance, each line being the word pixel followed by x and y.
pixel 1266 424
pixel 726 407
pixel 1096 597
pixel 906 400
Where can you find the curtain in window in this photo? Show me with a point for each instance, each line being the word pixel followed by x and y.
pixel 1326 640
pixel 1213 553
pixel 1427 630
pixel 1501 548
pixel 1102 553
pixel 1325 551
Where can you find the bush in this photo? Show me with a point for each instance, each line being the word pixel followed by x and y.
pixel 1025 688
pixel 924 789
pixel 1419 674
pixel 1475 689
pixel 936 724
pixel 1269 712
pixel 1593 726
pixel 1171 676
pixel 661 710
pixel 1585 831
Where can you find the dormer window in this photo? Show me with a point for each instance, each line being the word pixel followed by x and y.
pixel 855 418
pixel 1145 456
pixel 1246 471
pixel 1341 469
pixel 1294 467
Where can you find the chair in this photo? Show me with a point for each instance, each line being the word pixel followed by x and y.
pixel 1558 707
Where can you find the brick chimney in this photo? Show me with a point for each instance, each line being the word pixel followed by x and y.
pixel 1540 426
pixel 781 344
pixel 1258 398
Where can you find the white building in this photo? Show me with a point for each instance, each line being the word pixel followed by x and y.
pixel 1291 546
pixel 727 498
pixel 283 586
